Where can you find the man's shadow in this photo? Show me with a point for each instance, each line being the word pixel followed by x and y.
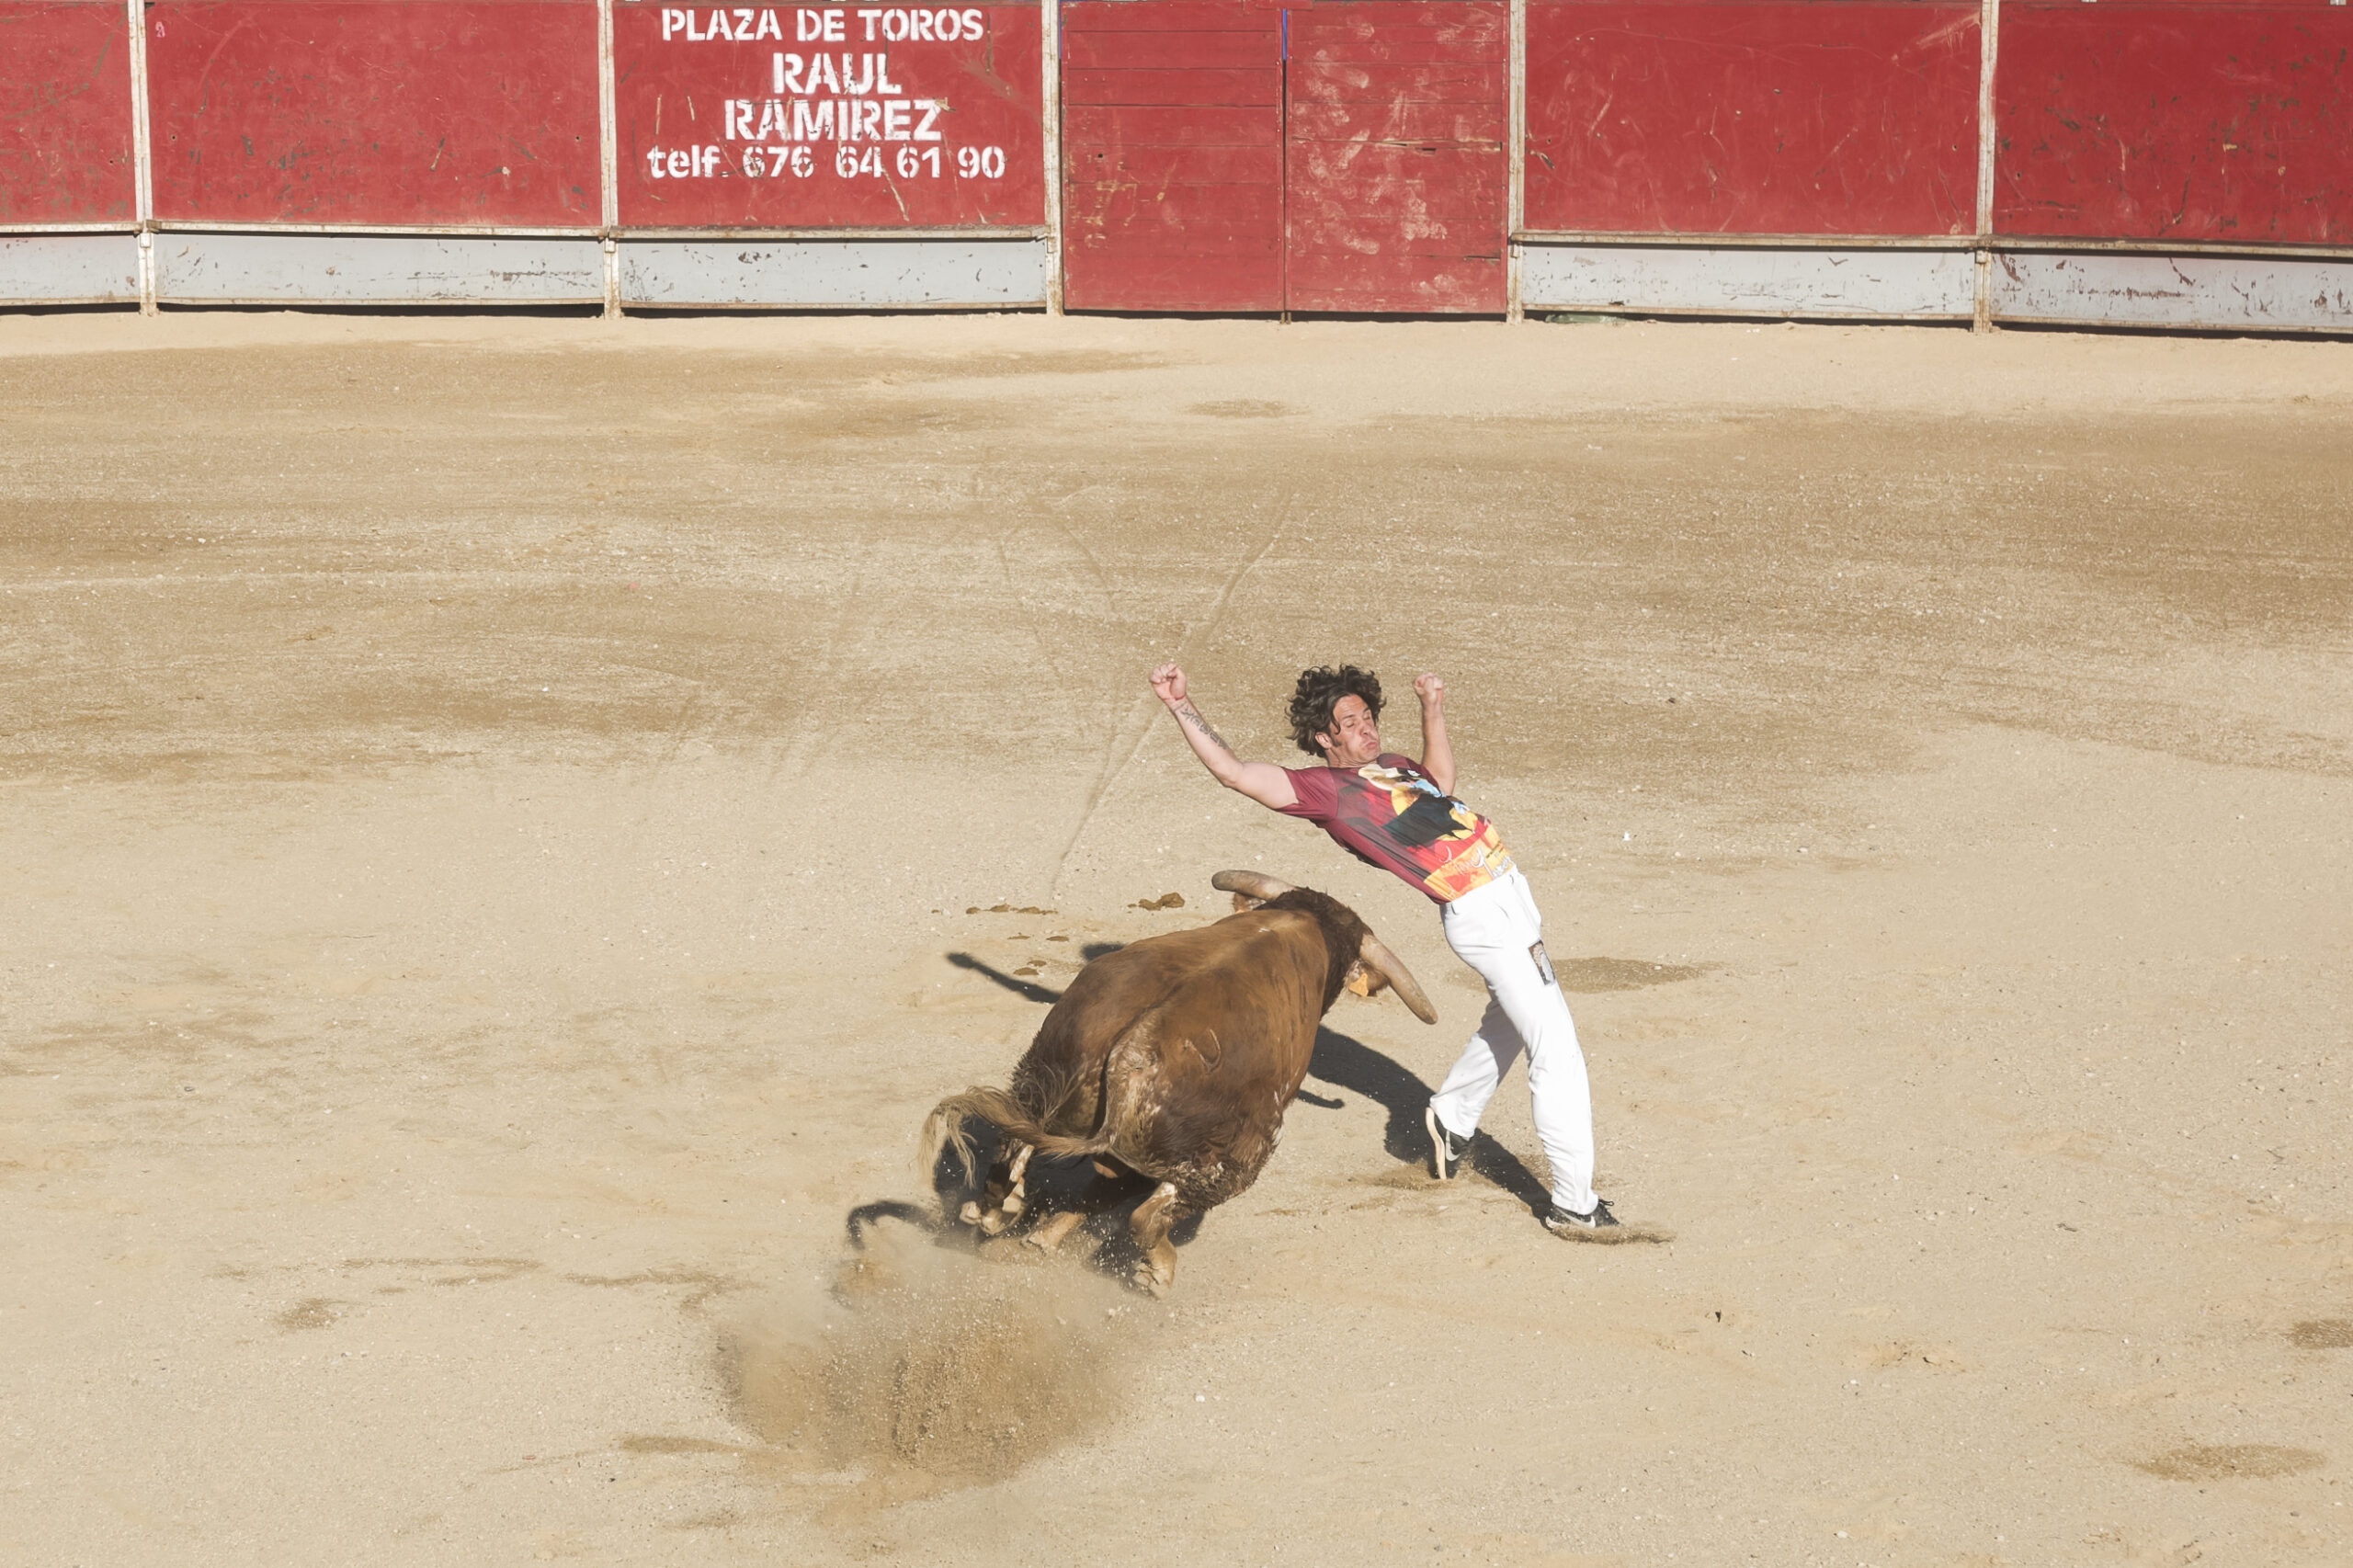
pixel 1348 1064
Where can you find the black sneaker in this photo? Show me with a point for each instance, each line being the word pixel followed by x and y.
pixel 1446 1149
pixel 1569 1223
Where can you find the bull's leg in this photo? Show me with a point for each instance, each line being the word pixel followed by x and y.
pixel 1156 1270
pixel 1106 1184
pixel 1016 1200
pixel 1055 1229
pixel 1008 1207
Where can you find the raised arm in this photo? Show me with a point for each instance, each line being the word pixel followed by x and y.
pixel 1261 782
pixel 1437 756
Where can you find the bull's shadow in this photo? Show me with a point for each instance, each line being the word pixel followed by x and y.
pixel 1345 1062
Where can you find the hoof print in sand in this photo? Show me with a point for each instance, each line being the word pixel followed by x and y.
pixel 2230 1462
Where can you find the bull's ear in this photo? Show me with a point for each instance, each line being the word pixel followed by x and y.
pixel 1362 981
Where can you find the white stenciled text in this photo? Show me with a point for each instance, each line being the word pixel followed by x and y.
pixel 829 24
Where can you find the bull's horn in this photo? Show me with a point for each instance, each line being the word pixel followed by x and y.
pixel 1380 959
pixel 1249 884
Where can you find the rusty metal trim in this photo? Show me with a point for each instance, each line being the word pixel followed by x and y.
pixel 399 302
pixel 528 232
pixel 1713 312
pixel 1989 36
pixel 1050 64
pixel 2004 243
pixel 608 120
pixel 930 307
pixel 978 232
pixel 1515 193
pixel 608 203
pixel 117 227
pixel 454 230
pixel 2046 246
pixel 143 158
pixel 1755 241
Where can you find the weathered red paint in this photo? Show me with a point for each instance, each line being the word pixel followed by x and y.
pixel 1172 157
pixel 1220 155
pixel 1752 117
pixel 455 112
pixel 2198 122
pixel 65 152
pixel 1206 172
pixel 745 168
pixel 1397 119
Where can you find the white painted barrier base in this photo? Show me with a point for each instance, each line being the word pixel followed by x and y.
pixel 2223 293
pixel 2100 289
pixel 69 269
pixel 860 274
pixel 376 269
pixel 1742 280
pixel 2095 288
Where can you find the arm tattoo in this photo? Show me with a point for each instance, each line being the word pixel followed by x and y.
pixel 1192 716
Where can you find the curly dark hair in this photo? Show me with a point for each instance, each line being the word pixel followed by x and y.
pixel 1320 690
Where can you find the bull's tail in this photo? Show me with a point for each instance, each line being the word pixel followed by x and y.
pixel 944 1129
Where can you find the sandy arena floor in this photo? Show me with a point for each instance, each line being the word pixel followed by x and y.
pixel 491 816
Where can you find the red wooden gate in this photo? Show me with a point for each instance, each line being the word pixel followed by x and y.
pixel 1396 119
pixel 65 153
pixel 374 111
pixel 1229 155
pixel 2199 123
pixel 1752 116
pixel 1172 157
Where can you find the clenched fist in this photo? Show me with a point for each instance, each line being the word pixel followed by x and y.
pixel 1169 684
pixel 1431 689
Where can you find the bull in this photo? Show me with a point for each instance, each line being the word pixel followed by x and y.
pixel 1172 1059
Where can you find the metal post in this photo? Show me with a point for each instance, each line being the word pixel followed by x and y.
pixel 1515 203
pixel 143 179
pixel 1282 164
pixel 608 154
pixel 1989 32
pixel 1051 23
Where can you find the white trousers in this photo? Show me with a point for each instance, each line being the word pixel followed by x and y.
pixel 1493 930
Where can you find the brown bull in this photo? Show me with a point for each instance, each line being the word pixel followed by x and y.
pixel 1174 1058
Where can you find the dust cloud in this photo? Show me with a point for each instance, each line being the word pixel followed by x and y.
pixel 927 1368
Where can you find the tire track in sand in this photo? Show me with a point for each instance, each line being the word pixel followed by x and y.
pixel 1126 742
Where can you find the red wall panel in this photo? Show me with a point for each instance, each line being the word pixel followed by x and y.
pixel 1752 116
pixel 1172 157
pixel 809 117
pixel 2193 122
pixel 374 111
pixel 65 114
pixel 1396 187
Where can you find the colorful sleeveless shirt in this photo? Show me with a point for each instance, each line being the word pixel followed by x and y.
pixel 1389 814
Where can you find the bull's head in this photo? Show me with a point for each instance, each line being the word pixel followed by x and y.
pixel 1375 965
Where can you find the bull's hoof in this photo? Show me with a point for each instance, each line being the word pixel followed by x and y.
pixel 971 1213
pixel 1013 1205
pixel 994 1222
pixel 1050 1234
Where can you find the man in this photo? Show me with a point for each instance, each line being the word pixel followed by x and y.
pixel 1401 816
